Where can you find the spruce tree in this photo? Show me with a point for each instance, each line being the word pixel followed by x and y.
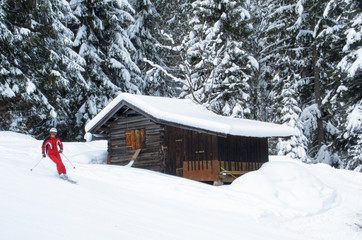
pixel 103 40
pixel 295 146
pixel 40 65
pixel 217 64
pixel 347 96
pixel 315 55
pixel 149 37
pixel 6 90
pixel 163 25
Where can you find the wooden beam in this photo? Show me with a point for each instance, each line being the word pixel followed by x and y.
pixel 135 155
pixel 235 172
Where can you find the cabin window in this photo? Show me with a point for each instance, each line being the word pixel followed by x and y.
pixel 136 139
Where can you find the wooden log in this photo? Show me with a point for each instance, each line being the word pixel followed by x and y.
pixel 135 125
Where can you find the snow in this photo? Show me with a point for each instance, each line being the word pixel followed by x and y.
pixel 284 200
pixel 354 120
pixel 116 64
pixel 30 87
pixel 327 9
pixel 185 112
pixel 81 34
pixel 357 64
pixel 7 91
pixel 254 63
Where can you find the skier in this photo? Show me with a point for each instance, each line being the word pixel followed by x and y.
pixel 50 146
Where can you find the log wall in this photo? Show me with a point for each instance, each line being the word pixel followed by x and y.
pixel 151 156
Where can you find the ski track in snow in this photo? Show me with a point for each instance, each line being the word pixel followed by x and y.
pixel 285 199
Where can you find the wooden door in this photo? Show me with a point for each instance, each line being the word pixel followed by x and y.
pixel 176 150
pixel 179 156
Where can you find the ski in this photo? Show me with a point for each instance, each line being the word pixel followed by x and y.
pixel 71 181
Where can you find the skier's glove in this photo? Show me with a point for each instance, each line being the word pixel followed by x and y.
pixel 61 151
pixel 44 155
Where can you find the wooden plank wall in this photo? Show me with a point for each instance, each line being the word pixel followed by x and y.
pixel 209 172
pixel 242 153
pixel 195 148
pixel 150 156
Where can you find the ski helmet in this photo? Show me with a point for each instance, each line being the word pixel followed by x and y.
pixel 53 130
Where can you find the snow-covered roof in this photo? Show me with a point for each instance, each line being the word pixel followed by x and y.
pixel 184 112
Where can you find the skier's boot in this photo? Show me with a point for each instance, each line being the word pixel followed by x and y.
pixel 63 176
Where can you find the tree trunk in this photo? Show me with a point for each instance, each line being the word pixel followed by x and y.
pixel 317 95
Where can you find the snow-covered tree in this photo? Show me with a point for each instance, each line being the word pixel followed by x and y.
pixel 347 97
pixel 217 65
pixel 152 40
pixel 354 136
pixel 66 61
pixel 267 32
pixel 278 81
pixel 291 115
pixel 351 63
pixel 102 39
pixel 317 46
pixel 40 65
pixel 6 90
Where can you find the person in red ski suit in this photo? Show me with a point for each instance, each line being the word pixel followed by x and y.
pixel 50 146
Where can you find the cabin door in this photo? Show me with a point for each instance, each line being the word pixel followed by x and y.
pixel 179 156
pixel 176 151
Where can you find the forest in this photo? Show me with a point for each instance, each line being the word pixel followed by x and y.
pixel 292 62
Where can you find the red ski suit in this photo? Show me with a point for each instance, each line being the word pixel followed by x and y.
pixel 50 146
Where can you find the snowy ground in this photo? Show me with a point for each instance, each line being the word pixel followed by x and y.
pixel 284 200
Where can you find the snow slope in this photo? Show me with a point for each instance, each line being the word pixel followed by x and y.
pixel 283 200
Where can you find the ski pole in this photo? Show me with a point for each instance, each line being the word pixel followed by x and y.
pixel 68 160
pixel 31 169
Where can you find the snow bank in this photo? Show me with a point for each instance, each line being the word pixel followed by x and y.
pixel 291 189
pixel 13 137
pixel 17 146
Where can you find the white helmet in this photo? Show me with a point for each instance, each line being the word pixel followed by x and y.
pixel 53 130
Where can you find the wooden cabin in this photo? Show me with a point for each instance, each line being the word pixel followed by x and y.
pixel 181 138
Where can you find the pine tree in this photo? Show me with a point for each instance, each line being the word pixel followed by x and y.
pixel 39 65
pixel 262 43
pixel 163 26
pixel 216 63
pixel 347 96
pixel 149 37
pixel 103 40
pixel 294 147
pixel 316 54
pixel 352 137
pixel 278 80
pixel 306 29
pixel 6 91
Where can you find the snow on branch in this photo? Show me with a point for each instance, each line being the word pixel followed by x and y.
pixel 163 70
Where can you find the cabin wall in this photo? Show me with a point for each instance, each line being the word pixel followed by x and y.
pixel 120 151
pixel 242 153
pixel 202 156
pixel 189 150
